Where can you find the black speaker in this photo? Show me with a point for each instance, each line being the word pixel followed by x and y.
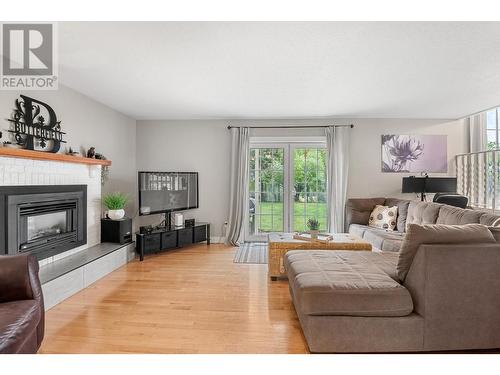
pixel 117 231
pixel 189 223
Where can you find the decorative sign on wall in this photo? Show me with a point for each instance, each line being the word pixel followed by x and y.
pixel 32 130
pixel 414 153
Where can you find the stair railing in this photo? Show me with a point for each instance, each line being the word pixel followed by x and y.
pixel 477 178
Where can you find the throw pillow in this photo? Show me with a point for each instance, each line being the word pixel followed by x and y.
pixel 495 231
pixel 383 217
pixel 402 211
pixel 417 235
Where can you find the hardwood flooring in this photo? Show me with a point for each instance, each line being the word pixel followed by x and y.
pixel 194 300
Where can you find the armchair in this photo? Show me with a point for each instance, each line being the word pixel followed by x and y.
pixel 22 313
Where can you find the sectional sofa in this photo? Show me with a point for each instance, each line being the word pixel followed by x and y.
pixel 416 212
pixel 436 287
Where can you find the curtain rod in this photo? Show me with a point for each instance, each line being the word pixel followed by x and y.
pixel 291 126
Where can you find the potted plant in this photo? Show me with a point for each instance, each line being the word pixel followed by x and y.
pixel 313 225
pixel 115 203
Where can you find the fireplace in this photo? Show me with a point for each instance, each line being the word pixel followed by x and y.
pixel 42 220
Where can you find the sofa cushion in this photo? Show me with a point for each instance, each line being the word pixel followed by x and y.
pixel 358 209
pixel 383 217
pixel 18 322
pixel 392 234
pixel 357 229
pixel 495 231
pixel 438 234
pixel 373 237
pixel 422 213
pixel 490 220
pixel 327 282
pixel 450 215
pixel 378 237
pixel 402 211
pixel 392 245
pixel 385 261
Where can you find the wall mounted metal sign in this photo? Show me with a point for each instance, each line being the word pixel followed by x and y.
pixel 31 130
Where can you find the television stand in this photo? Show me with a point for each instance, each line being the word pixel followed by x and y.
pixel 167 221
pixel 171 237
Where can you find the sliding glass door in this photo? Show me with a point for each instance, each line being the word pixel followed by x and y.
pixel 266 198
pixel 287 186
pixel 308 180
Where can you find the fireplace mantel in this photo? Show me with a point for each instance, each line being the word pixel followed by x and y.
pixel 49 156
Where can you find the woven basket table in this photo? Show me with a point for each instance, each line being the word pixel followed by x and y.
pixel 280 243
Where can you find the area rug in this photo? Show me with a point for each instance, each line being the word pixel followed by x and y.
pixel 251 252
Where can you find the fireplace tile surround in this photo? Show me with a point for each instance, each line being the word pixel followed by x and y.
pixel 27 172
pixel 71 271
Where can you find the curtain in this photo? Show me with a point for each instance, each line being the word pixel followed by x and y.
pixel 476 130
pixel 337 145
pixel 240 153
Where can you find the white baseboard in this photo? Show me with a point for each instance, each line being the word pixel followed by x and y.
pixel 219 239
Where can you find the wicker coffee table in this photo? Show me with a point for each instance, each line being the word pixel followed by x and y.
pixel 280 243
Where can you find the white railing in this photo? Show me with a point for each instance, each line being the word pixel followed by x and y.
pixel 477 178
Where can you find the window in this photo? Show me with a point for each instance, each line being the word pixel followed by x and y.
pixel 493 129
pixel 478 173
pixel 309 187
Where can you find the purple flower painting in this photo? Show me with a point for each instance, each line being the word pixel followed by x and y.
pixel 414 153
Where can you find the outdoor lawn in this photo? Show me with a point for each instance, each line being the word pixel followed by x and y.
pixel 271 215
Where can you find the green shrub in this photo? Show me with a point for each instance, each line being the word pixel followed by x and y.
pixel 115 201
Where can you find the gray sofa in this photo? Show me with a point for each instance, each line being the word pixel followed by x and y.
pixel 448 298
pixel 358 213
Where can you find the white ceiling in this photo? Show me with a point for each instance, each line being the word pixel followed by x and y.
pixel 233 70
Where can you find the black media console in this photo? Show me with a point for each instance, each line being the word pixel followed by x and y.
pixel 165 238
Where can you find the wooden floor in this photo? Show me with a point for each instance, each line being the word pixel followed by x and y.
pixel 194 300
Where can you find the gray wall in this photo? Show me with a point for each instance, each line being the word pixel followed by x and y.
pixel 366 178
pixel 204 146
pixel 187 146
pixel 89 123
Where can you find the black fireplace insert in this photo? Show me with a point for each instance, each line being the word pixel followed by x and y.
pixel 42 220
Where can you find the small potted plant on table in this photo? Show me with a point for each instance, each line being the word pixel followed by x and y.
pixel 313 225
pixel 115 203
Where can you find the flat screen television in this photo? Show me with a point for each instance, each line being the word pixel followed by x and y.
pixel 163 192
